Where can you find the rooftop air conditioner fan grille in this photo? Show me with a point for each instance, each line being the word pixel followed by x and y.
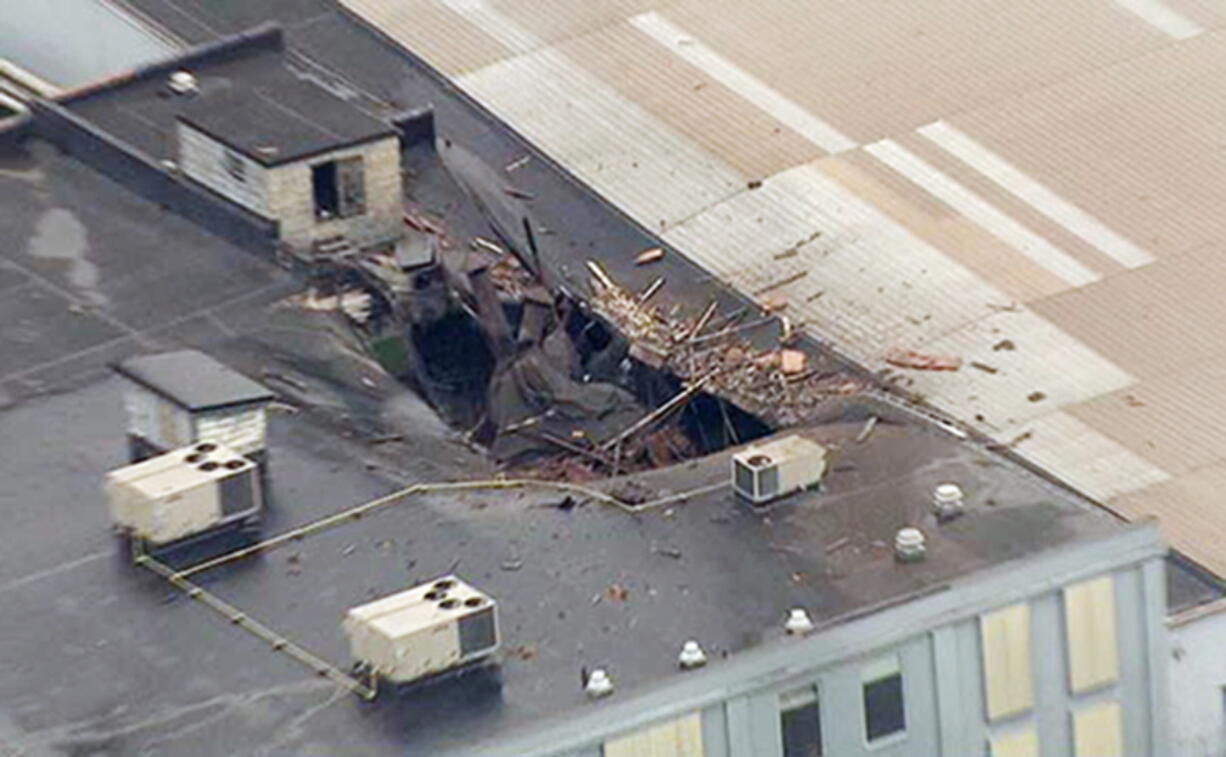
pixel 768 483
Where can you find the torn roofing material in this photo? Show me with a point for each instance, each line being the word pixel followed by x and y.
pixel 936 207
pixel 275 125
pixel 193 380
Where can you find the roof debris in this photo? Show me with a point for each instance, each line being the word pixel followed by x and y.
pixel 758 381
pixel 921 361
pixel 649 255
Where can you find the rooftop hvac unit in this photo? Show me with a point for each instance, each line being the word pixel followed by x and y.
pixel 763 473
pixel 188 491
pixel 432 628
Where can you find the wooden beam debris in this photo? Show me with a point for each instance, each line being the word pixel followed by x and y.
pixel 677 400
pixel 775 383
pixel 488 246
pixel 702 321
pixel 651 290
pixel 781 283
pixel 598 273
pixel 649 255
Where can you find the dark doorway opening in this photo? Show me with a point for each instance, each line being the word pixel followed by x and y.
pixel 323 186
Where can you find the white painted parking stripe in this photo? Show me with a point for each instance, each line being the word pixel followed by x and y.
pixel 495 23
pixel 980 212
pixel 745 84
pixel 1162 17
pixel 1074 219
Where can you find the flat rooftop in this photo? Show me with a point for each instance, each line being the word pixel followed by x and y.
pixel 578 583
pixel 99 657
pixel 193 380
pixel 904 185
pixel 275 125
pixel 102 656
pixel 248 98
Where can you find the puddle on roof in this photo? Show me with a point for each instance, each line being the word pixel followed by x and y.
pixel 60 236
pixel 70 42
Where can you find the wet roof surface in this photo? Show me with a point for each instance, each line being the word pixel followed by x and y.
pixel 103 658
pixel 193 379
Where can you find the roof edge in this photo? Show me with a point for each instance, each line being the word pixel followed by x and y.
pixel 266 36
pixel 390 131
pixel 842 637
pixel 269 396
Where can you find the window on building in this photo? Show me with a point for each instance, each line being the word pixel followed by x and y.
pixel 1005 639
pixel 235 167
pixel 1089 619
pixel 884 710
pixel 801 722
pixel 676 738
pixel 1015 744
pixel 339 189
pixel 1097 732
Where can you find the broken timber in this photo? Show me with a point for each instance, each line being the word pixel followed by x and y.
pixel 751 378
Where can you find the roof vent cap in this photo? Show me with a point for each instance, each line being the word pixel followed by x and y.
pixel 909 545
pixel 798 621
pixel 599 684
pixel 691 656
pixel 183 83
pixel 947 501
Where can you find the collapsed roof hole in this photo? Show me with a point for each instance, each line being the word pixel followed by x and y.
pixel 456 366
pixel 714 424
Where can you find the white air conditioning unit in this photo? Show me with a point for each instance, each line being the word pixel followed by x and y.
pixel 183 493
pixel 435 627
pixel 765 472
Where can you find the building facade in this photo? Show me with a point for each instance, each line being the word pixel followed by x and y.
pixel 1062 655
pixel 354 191
pixel 1198 681
pixel 319 167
